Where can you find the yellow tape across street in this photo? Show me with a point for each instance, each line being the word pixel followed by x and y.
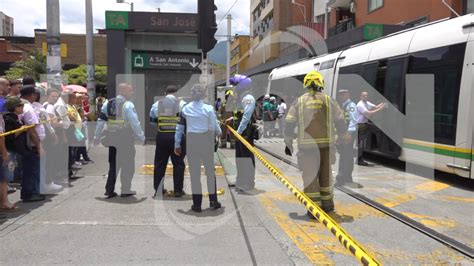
pixel 344 238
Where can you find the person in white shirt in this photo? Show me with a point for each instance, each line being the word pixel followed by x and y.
pixel 365 110
pixel 281 117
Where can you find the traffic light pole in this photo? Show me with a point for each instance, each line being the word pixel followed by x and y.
pixel 229 34
pixel 90 55
pixel 53 38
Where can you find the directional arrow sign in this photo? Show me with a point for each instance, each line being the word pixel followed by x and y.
pixel 150 60
pixel 194 64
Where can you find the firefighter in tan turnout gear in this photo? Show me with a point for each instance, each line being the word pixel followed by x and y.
pixel 317 119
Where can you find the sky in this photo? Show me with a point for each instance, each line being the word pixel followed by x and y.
pixel 31 14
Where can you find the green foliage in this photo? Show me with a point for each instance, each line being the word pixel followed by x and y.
pixel 78 75
pixel 33 66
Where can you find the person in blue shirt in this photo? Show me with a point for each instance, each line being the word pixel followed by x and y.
pixel 199 120
pixel 243 119
pixel 346 150
pixel 123 127
pixel 164 115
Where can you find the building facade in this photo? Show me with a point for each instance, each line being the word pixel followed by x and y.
pixel 73 48
pixel 345 15
pixel 239 54
pixel 6 25
pixel 268 19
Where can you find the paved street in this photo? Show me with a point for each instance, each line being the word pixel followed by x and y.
pixel 79 226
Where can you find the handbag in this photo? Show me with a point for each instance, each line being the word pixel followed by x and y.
pixel 78 135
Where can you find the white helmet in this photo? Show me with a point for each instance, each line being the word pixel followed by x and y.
pixel 266 97
pixel 272 99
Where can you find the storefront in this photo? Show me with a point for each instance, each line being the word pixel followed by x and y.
pixel 159 49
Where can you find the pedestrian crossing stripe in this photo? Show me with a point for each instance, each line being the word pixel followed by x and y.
pixel 344 238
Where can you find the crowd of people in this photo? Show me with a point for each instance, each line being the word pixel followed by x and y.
pixel 43 139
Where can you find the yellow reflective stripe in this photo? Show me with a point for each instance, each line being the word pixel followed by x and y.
pixel 328 116
pixel 301 118
pixel 326 189
pixel 330 197
pixel 316 194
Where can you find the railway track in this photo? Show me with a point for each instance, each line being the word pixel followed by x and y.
pixel 441 238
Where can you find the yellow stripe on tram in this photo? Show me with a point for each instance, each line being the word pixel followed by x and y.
pixel 437 146
pixel 344 238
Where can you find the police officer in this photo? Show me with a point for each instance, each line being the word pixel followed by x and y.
pixel 164 114
pixel 346 150
pixel 226 112
pixel 122 126
pixel 199 121
pixel 315 114
pixel 243 119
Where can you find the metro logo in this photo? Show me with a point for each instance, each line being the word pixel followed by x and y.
pixel 116 20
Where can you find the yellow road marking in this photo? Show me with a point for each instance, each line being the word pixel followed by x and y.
pixel 458 199
pixel 299 236
pixel 148 169
pixel 431 186
pixel 395 201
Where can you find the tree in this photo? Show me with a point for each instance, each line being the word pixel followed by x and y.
pixel 33 66
pixel 78 75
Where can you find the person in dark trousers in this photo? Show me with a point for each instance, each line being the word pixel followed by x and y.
pixel 122 128
pixel 199 121
pixel 242 120
pixel 164 115
pixel 346 150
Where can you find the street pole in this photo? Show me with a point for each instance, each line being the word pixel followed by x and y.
pixel 53 38
pixel 131 7
pixel 325 19
pixel 90 55
pixel 229 34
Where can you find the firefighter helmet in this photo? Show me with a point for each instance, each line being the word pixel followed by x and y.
pixel 314 80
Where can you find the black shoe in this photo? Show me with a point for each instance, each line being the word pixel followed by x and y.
pixel 111 195
pixel 179 194
pixel 328 207
pixel 231 185
pixel 215 205
pixel 128 194
pixel 196 208
pixel 34 198
pixel 363 163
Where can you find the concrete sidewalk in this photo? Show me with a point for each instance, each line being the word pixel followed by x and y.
pixel 80 226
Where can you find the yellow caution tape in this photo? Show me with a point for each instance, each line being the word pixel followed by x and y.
pixel 24 128
pixel 344 238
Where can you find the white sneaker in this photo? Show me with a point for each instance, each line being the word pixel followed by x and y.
pixel 50 189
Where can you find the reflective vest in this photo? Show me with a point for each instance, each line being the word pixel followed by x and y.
pixel 116 115
pixel 315 115
pixel 347 116
pixel 168 116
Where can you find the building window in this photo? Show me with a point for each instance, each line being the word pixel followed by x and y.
pixel 374 5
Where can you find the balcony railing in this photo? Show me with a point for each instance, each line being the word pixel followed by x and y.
pixel 341 26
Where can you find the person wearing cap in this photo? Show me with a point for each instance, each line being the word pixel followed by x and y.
pixel 199 121
pixel 16 144
pixel 164 116
pixel 243 119
pixel 346 150
pixel 225 113
pixel 267 115
pixel 30 190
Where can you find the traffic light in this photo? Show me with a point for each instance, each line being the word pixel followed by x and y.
pixel 207 25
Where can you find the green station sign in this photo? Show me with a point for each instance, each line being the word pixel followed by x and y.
pixel 373 31
pixel 116 20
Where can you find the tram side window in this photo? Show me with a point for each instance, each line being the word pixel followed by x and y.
pixel 446 64
pixel 346 83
